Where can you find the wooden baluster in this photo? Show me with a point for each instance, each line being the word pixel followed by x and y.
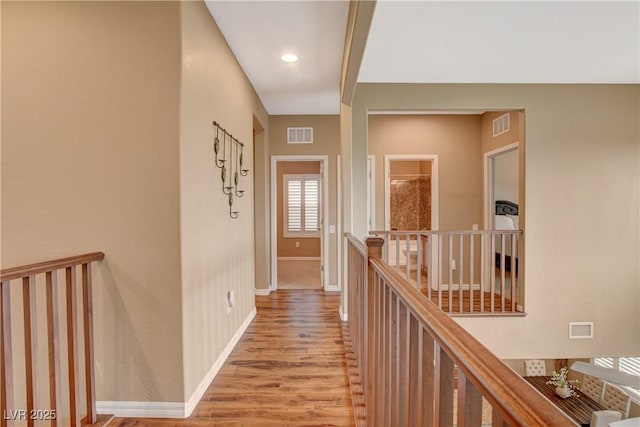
pixel 429 264
pixel 461 271
pixel 55 392
pixel 393 359
pixel 472 262
pixel 514 257
pixel 483 272
pixel 430 380
pixel 469 402
pixel 415 373
pixel 30 343
pixel 374 248
pixel 6 366
pixel 419 262
pixel 87 311
pixel 492 278
pixel 380 353
pixel 450 264
pixel 397 240
pixel 444 397
pixel 72 346
pixel 385 356
pixel 503 268
pixel 403 364
pixel 439 284
pixel 496 419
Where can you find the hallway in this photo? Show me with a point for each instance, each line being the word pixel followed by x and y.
pixel 288 369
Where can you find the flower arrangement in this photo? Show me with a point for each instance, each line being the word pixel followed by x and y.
pixel 560 380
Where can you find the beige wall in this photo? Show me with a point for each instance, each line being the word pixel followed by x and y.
pixel 217 251
pixel 582 192
pixel 326 136
pixel 90 128
pixel 456 142
pixel 106 145
pixel 309 246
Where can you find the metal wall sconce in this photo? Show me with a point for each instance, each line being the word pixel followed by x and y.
pixel 229 158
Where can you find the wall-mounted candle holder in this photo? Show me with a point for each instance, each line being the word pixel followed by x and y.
pixel 229 158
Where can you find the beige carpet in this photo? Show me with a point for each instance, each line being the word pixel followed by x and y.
pixel 299 274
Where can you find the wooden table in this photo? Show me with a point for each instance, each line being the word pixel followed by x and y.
pixel 579 407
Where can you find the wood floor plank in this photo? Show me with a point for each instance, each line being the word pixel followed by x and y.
pixel 289 369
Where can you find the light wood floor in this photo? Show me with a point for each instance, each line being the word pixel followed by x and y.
pixel 288 369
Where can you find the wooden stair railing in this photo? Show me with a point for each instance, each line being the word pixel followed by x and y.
pixel 52 411
pixel 465 272
pixel 407 349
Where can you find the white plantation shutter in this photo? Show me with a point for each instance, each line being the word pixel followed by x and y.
pixel 630 365
pixel 294 206
pixel 311 205
pixel 301 205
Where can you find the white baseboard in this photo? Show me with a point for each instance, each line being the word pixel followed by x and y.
pixel 190 405
pixel 141 409
pixel 263 292
pixel 343 316
pixel 174 409
pixel 332 288
pixel 299 258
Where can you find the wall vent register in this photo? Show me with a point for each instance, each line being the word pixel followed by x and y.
pixel 580 330
pixel 300 135
pixel 501 124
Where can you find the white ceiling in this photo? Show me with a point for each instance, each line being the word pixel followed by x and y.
pixel 429 42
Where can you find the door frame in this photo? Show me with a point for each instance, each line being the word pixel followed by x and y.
pixel 488 176
pixel 433 158
pixel 324 234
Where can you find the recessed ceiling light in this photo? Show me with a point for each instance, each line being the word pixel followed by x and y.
pixel 289 57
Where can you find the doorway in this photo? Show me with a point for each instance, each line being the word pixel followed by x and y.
pixel 410 200
pixel 298 237
pixel 502 183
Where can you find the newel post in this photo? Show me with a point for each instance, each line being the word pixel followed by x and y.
pixel 372 339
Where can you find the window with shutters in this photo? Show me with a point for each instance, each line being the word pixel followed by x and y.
pixel 630 365
pixel 301 210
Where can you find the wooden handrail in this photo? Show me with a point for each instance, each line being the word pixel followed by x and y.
pixel 73 304
pixel 408 351
pixel 42 267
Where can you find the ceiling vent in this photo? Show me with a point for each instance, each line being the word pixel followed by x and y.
pixel 501 124
pixel 580 330
pixel 300 135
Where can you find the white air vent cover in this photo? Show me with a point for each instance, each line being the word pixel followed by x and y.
pixel 300 135
pixel 580 330
pixel 501 124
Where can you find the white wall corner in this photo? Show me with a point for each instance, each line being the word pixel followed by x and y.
pixel 190 405
pixel 343 316
pixel 263 292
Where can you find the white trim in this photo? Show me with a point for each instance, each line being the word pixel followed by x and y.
pixel 197 394
pixel 343 316
pixel 299 258
pixel 274 213
pixel 339 218
pixel 332 288
pixel 141 409
pixel 371 192
pixel 487 172
pixel 263 292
